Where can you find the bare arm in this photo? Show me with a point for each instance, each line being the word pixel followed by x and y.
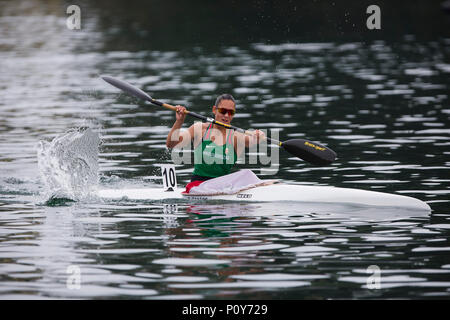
pixel 257 137
pixel 177 138
pixel 242 141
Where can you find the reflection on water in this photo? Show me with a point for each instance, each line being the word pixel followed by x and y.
pixel 150 251
pixel 382 105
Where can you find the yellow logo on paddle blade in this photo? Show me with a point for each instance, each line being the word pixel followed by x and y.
pixel 312 145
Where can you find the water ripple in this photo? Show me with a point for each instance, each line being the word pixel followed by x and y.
pixel 382 106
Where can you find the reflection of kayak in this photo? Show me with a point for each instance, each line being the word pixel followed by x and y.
pixel 278 193
pixel 308 211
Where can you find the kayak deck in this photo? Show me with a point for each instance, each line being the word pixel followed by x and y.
pixel 278 193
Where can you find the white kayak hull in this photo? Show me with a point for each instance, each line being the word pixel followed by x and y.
pixel 278 193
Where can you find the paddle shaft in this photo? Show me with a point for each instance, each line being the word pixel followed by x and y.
pixel 206 119
pixel 312 152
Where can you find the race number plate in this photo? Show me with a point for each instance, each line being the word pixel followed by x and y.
pixel 169 177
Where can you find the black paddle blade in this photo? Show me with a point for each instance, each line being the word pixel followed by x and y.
pixel 312 152
pixel 128 88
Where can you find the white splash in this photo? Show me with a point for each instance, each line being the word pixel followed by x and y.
pixel 69 166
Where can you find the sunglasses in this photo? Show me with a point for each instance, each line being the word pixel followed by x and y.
pixel 224 111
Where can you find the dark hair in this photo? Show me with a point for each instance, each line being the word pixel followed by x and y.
pixel 225 96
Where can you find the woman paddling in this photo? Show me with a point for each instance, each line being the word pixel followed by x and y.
pixel 215 147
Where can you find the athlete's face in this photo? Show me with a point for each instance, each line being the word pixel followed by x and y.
pixel 224 112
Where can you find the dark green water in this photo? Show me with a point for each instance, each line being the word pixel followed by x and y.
pixel 380 100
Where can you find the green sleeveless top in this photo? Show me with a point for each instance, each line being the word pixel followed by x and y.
pixel 211 160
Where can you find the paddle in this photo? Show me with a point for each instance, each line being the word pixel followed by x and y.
pixel 309 151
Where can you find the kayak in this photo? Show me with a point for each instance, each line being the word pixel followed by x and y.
pixel 312 152
pixel 277 193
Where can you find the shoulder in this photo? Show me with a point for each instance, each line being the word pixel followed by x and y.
pixel 198 127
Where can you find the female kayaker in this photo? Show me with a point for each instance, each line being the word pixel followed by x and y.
pixel 216 148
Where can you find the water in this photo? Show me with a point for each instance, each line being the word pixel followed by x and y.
pixel 381 104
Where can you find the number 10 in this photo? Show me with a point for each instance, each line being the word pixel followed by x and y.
pixel 169 177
